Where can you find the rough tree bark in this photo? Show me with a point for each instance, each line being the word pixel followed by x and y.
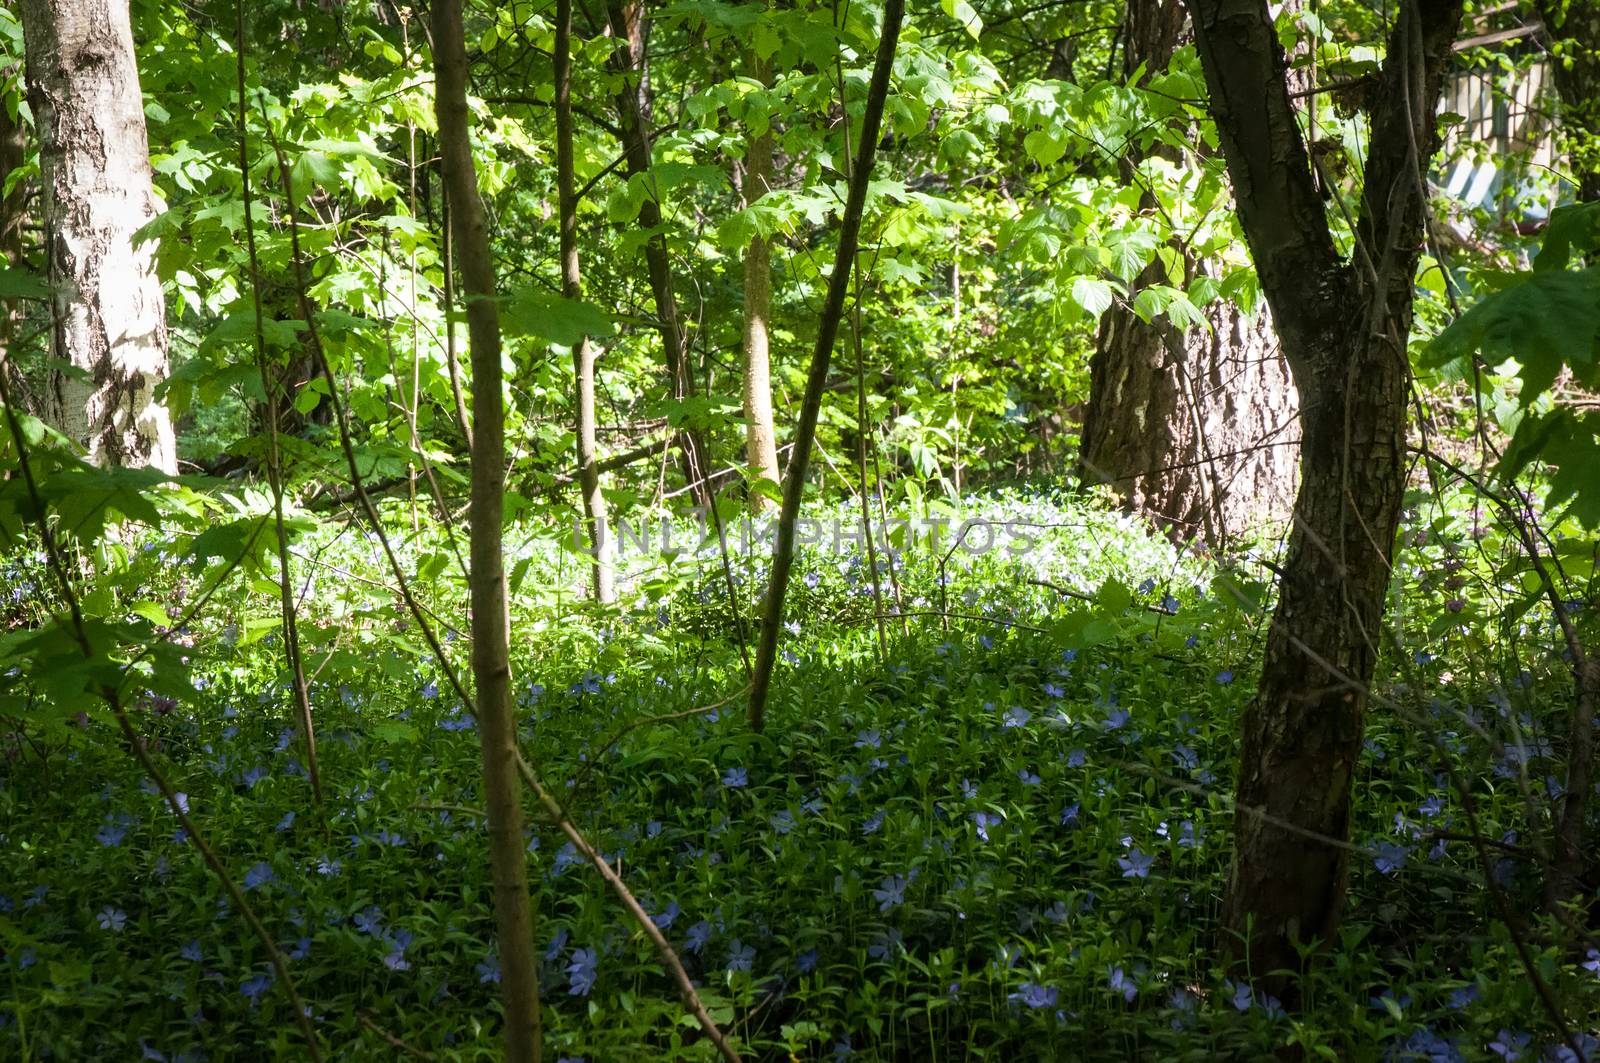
pixel 94 162
pixel 631 59
pixel 1344 326
pixel 761 445
pixel 1574 29
pixel 491 651
pixel 594 503
pixel 1193 429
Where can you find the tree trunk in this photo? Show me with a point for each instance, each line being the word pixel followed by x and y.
pixel 630 60
pixel 805 429
pixel 94 162
pixel 594 503
pixel 1344 326
pixel 1574 29
pixel 491 651
pixel 1195 430
pixel 761 443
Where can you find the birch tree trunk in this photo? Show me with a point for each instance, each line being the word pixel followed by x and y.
pixel 491 650
pixel 94 161
pixel 761 445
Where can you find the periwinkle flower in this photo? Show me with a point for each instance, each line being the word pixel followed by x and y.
pixel 735 778
pixel 255 986
pixel 892 892
pixel 1390 857
pixel 583 970
pixel 1136 864
pixel 1035 996
pixel 741 957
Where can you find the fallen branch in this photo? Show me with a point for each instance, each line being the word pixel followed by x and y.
pixel 691 999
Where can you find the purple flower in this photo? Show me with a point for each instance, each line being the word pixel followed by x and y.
pixel 1016 718
pixel 369 920
pixel 1122 984
pixel 113 919
pixel 458 721
pixel 110 835
pixel 885 945
pixel 1190 838
pixel 258 876
pixel 1054 690
pixel 285 823
pixel 891 893
pixel 1028 778
pixel 783 822
pixel 1077 758
pixel 396 958
pixel 1035 996
pixel 666 916
pixel 1117 719
pixel 430 690
pixel 1508 1046
pixel 1135 864
pixel 699 937
pixel 191 952
pixel 583 969
pixel 869 739
pixel 873 823
pixel 806 962
pixel 1390 857
pixel 489 969
pixel 741 957
pixel 254 987
pixel 1224 677
pixel 734 778
pixel 985 821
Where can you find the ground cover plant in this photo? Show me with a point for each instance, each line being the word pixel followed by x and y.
pixel 687 529
pixel 987 839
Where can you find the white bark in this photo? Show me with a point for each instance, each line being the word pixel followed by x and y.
pixel 94 158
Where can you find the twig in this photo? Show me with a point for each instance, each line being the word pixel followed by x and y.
pixel 691 999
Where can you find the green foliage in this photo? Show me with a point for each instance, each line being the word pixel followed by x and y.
pixel 1546 322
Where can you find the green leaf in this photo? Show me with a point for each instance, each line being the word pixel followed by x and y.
pixel 1577 226
pixel 1545 321
pixel 963 13
pixel 1093 294
pixel 22 284
pixel 530 312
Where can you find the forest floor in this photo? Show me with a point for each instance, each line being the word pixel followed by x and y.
pixel 1005 831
